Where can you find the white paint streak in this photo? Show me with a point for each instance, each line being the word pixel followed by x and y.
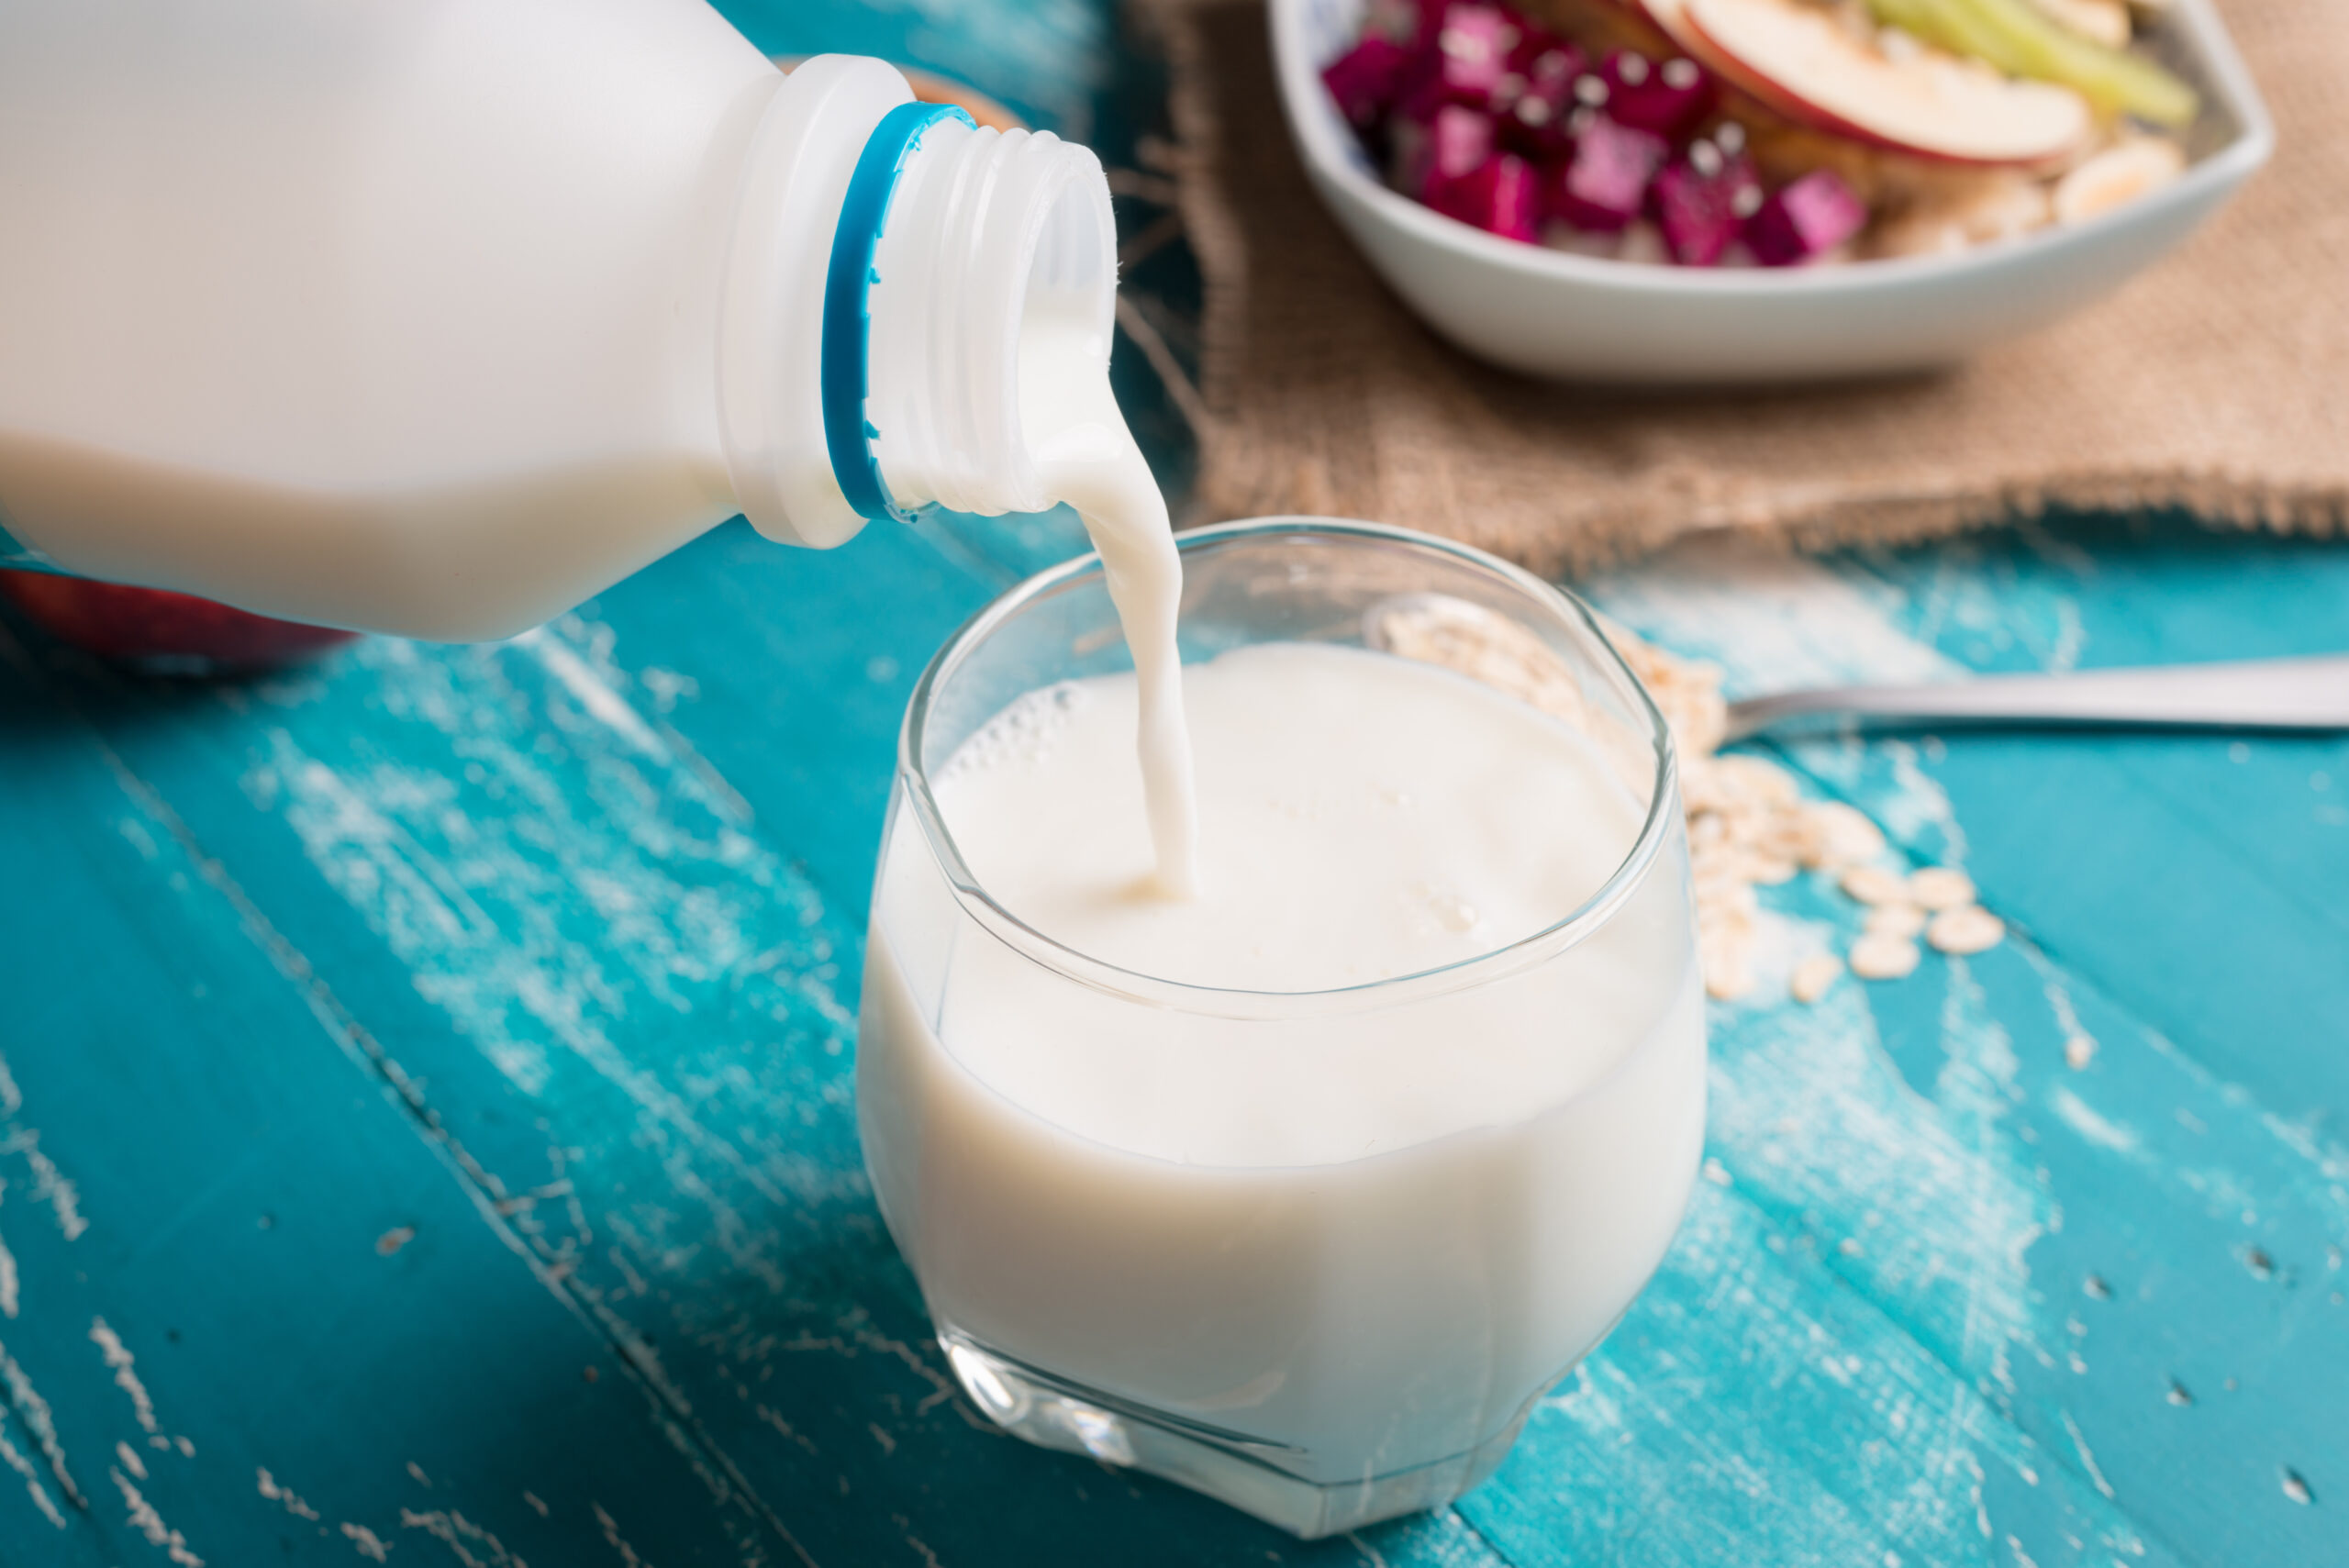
pixel 149 1523
pixel 612 1537
pixel 50 1185
pixel 1810 1112
pixel 285 1496
pixel 768 1415
pixel 24 1468
pixel 370 1546
pixel 126 1376
pixel 7 1281
pixel 2087 1460
pixel 33 1410
pixel 459 1535
pixel 130 1460
pixel 1916 803
pixel 603 704
pixel 11 1099
pixel 1777 621
pixel 2090 1124
pixel 2080 1045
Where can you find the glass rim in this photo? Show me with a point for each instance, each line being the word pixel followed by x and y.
pixel 1585 918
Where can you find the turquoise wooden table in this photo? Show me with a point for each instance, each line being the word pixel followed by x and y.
pixel 426 1130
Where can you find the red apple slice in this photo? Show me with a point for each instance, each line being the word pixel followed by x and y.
pixel 1798 59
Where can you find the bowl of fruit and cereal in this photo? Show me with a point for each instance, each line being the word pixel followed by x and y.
pixel 1740 191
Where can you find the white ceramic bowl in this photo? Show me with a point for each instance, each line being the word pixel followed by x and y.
pixel 1553 313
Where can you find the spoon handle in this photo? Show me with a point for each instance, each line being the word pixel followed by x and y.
pixel 2252 694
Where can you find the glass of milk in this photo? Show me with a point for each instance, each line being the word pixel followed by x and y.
pixel 1301 1192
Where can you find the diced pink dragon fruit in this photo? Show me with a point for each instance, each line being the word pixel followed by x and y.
pixel 1665 97
pixel 1465 62
pixel 1806 219
pixel 1604 184
pixel 1446 147
pixel 1501 196
pixel 1535 121
pixel 1367 79
pixel 1702 200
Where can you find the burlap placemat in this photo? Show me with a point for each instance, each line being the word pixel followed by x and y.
pixel 2218 380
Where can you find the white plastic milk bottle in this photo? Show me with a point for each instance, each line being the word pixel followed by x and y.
pixel 436 317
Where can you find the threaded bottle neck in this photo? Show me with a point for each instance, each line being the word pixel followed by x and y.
pixel 992 238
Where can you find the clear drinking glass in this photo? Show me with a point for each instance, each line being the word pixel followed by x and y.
pixel 1328 1340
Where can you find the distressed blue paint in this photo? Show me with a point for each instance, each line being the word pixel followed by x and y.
pixel 514 987
pixel 558 881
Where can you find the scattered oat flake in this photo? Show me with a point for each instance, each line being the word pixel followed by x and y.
pixel 1884 958
pixel 2296 1488
pixel 2078 1052
pixel 1940 887
pixel 1725 949
pixel 1873 884
pixel 391 1241
pixel 1813 975
pixel 1837 835
pixel 1893 919
pixel 1966 929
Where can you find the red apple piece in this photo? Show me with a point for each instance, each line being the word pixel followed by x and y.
pixel 1670 19
pixel 116 621
pixel 1801 62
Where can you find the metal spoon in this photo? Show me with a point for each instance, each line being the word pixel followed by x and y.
pixel 2250 694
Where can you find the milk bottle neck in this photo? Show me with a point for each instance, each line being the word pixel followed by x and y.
pixel 884 374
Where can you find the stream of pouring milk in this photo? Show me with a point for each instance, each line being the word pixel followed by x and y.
pixel 1087 458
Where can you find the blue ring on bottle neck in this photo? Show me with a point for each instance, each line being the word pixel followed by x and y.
pixel 847 354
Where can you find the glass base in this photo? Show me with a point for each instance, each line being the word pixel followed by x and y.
pixel 1251 1474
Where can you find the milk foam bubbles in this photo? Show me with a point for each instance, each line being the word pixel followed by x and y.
pixel 1359 1232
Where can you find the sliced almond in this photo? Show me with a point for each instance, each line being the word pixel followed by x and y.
pixel 2117 176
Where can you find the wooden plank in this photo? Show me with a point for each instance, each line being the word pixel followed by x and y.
pixel 369 801
pixel 248 1303
pixel 2183 1193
